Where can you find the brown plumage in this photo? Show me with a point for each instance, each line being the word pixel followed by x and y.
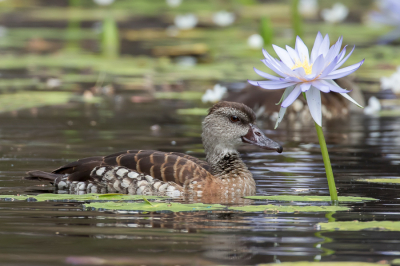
pixel 171 173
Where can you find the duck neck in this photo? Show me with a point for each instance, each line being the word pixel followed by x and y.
pixel 226 163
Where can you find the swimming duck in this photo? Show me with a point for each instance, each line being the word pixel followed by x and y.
pixel 150 172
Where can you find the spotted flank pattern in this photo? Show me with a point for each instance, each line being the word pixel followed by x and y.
pixel 111 179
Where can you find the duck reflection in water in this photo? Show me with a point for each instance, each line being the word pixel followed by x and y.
pixel 222 178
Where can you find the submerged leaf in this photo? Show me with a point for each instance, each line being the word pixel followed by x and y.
pixel 381 180
pixel 324 263
pixel 309 198
pixel 357 226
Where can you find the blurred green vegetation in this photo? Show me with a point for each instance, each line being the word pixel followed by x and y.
pixel 131 44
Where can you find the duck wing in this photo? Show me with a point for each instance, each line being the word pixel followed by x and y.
pixel 165 166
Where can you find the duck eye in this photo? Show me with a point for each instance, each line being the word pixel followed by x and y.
pixel 234 119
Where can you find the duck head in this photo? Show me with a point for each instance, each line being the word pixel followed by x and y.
pixel 230 124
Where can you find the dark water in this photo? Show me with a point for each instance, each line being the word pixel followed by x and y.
pixel 56 233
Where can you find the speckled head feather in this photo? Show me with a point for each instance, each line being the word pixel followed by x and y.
pixel 238 106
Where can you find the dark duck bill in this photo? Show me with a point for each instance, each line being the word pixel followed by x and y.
pixel 256 137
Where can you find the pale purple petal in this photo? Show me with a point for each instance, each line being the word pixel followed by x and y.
pixel 276 86
pixel 284 56
pixel 345 95
pixel 272 82
pixel 329 68
pixel 334 51
pixel 324 48
pixel 291 97
pixel 342 53
pixel 331 85
pixel 293 79
pixel 284 68
pixel 344 71
pixel 272 67
pixel 314 104
pixel 266 75
pixel 252 82
pixel 318 65
pixel 315 49
pixel 302 50
pixel 305 86
pixel 321 86
pixel 341 62
pixel 293 54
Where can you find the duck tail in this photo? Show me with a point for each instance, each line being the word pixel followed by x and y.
pixel 42 176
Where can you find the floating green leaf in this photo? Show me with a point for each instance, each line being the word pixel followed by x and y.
pixel 275 208
pixel 30 99
pixel 381 180
pixel 325 263
pixel 357 226
pixel 193 111
pixel 309 198
pixel 184 95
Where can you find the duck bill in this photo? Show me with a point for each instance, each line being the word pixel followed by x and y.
pixel 256 137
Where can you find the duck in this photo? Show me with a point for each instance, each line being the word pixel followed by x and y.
pixel 334 105
pixel 150 172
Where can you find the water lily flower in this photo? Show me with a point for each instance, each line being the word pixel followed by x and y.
pixel 174 3
pixel 392 82
pixel 186 22
pixel 336 14
pixel 301 71
pixel 223 18
pixel 103 2
pixel 373 107
pixel 388 14
pixel 308 8
pixel 255 41
pixel 215 94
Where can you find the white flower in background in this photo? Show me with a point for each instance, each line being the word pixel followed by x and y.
pixel 373 107
pixel 174 3
pixel 308 8
pixel 3 31
pixel 392 82
pixel 255 41
pixel 214 95
pixel 53 83
pixel 186 22
pixel 223 18
pixel 388 14
pixel 186 61
pixel 103 2
pixel 336 14
pixel 300 72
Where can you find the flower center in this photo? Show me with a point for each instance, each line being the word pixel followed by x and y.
pixel 307 67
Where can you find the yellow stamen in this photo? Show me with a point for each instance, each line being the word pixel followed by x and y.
pixel 307 67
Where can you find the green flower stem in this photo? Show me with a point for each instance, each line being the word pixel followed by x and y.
pixel 327 163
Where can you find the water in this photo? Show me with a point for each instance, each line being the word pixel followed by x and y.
pixel 57 233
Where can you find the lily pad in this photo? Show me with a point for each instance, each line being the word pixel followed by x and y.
pixel 116 202
pixel 193 111
pixel 325 263
pixel 357 226
pixel 309 198
pixel 22 100
pixel 381 180
pixel 185 95
pixel 55 197
pixel 276 208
